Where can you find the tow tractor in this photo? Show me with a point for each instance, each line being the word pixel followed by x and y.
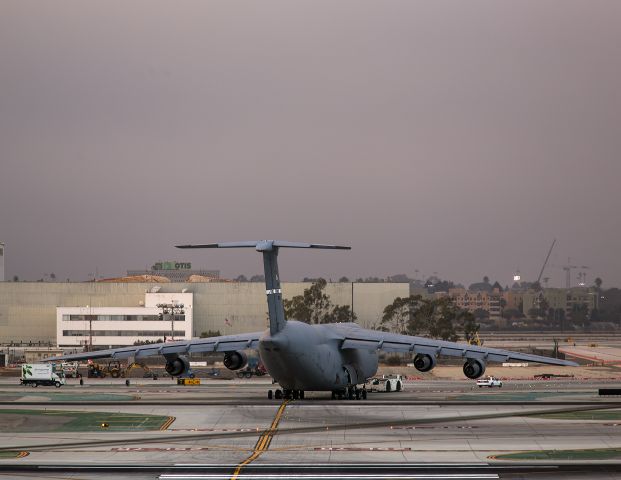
pixel 253 368
pixel 387 383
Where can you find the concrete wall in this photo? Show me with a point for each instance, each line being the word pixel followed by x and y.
pixel 28 309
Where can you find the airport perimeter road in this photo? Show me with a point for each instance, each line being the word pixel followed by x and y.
pixel 161 427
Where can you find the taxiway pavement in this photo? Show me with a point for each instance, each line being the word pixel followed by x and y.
pixel 231 423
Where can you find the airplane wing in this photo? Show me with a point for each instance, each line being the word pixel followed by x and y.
pixel 357 337
pixel 225 343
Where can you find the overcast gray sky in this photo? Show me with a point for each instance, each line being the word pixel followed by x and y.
pixel 443 136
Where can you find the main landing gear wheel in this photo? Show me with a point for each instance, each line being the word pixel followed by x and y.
pixel 349 393
pixel 278 394
pixel 270 394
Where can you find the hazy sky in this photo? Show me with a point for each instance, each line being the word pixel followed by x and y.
pixel 443 136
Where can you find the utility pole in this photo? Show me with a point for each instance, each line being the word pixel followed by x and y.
pixel 352 301
pixel 172 309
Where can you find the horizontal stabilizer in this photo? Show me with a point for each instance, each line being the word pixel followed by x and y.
pixel 266 245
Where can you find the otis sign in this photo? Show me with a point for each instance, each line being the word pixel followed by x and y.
pixel 171 266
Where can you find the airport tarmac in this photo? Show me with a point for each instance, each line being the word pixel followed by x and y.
pixel 228 429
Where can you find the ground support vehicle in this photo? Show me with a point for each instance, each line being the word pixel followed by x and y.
pixel 489 382
pixel 147 372
pixel 70 369
pixel 95 371
pixel 387 383
pixel 248 372
pixel 35 374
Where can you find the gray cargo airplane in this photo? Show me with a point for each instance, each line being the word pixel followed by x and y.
pixel 301 357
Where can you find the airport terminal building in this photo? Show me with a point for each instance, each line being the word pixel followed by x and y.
pixel 114 314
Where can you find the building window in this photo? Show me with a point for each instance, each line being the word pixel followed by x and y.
pixel 122 333
pixel 121 318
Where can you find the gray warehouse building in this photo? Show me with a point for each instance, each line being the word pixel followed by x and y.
pixel 28 310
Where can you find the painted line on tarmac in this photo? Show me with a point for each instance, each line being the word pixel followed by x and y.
pixel 339 476
pixel 263 444
pixel 214 429
pixel 430 427
pixel 167 423
pixel 362 449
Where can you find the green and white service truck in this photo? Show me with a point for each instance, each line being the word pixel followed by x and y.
pixel 35 374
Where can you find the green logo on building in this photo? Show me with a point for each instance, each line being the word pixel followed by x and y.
pixel 172 266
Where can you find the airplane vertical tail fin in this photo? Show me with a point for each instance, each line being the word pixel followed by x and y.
pixel 269 248
pixel 273 291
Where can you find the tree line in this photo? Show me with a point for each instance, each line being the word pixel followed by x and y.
pixel 413 315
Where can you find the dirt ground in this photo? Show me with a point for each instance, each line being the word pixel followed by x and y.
pixel 450 372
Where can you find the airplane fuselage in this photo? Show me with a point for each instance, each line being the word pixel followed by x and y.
pixel 309 357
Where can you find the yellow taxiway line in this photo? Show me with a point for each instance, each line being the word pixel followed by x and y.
pixel 167 423
pixel 264 441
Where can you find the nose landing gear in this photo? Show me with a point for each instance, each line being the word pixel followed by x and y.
pixel 285 393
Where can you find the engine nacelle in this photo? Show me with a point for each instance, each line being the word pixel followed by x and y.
pixel 235 360
pixel 177 366
pixel 424 362
pixel 474 368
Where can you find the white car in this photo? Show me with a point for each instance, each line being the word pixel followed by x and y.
pixel 489 382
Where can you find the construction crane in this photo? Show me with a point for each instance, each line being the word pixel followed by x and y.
pixel 540 297
pixel 568 268
pixel 545 262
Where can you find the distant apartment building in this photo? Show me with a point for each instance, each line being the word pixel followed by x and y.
pixel 473 300
pixel 561 298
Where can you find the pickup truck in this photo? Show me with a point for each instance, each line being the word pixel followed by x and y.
pixel 489 382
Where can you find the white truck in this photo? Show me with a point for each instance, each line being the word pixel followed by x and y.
pixel 35 374
pixel 387 383
pixel 489 382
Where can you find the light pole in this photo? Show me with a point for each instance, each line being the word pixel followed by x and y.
pixel 172 309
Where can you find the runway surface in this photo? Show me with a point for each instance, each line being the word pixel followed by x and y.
pixel 228 429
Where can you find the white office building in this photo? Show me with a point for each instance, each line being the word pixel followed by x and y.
pixel 111 327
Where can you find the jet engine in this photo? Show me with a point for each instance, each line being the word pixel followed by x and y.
pixel 424 362
pixel 177 366
pixel 474 368
pixel 235 360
